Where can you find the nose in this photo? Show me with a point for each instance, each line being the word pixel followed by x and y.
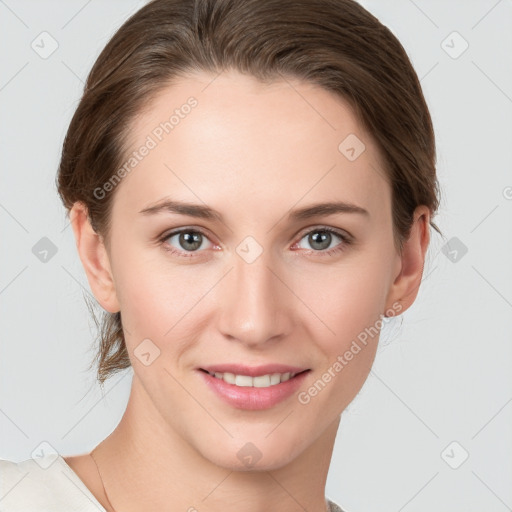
pixel 255 304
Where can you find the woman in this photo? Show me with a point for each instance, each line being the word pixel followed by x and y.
pixel 250 185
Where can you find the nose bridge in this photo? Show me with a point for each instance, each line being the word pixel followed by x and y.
pixel 253 307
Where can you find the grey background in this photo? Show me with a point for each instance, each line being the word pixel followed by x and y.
pixel 443 376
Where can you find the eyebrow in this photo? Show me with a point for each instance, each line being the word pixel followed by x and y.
pixel 205 212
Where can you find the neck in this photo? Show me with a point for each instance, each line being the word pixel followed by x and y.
pixel 147 464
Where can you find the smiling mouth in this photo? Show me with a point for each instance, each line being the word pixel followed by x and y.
pixel 261 381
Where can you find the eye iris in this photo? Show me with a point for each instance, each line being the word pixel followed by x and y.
pixel 324 236
pixel 192 238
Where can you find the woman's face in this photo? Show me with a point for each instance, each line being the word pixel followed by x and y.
pixel 251 280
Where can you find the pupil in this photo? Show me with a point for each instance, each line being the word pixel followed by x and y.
pixel 324 236
pixel 190 238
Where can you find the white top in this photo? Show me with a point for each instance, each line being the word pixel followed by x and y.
pixel 48 484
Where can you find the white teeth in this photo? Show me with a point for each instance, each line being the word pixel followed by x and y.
pixel 243 380
pixel 262 381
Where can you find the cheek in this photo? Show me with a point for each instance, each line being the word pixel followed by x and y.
pixel 341 303
pixel 344 320
pixel 148 296
pixel 160 302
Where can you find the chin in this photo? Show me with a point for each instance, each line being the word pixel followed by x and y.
pixel 250 456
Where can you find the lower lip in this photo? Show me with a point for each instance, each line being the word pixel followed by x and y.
pixel 251 398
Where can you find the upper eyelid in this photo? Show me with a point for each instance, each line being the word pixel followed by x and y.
pixel 320 227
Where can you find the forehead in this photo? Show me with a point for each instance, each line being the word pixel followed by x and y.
pixel 233 141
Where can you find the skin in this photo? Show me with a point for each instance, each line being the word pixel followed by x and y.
pixel 253 152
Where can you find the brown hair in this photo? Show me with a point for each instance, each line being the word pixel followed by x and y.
pixel 335 44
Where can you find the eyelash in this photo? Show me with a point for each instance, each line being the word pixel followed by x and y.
pixel 346 241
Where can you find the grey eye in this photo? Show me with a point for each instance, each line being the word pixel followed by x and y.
pixel 321 239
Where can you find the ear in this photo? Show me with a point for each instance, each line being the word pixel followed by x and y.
pixel 407 283
pixel 95 259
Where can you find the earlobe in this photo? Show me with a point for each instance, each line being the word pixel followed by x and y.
pixel 95 259
pixel 406 285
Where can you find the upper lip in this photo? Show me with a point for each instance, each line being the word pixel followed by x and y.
pixel 252 371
